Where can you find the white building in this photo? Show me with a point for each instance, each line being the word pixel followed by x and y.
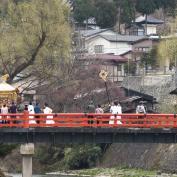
pixel 106 41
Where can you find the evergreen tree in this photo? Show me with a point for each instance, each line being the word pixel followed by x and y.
pixel 83 9
pixel 128 11
pixel 168 6
pixel 146 7
pixel 125 11
pixel 105 13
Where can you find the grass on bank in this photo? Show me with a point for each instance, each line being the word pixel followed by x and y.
pixel 112 172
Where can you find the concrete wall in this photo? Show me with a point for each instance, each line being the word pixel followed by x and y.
pixel 158 86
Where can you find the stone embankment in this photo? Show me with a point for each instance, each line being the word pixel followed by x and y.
pixel 161 157
pixel 158 86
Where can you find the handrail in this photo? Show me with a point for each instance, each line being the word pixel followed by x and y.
pixel 26 120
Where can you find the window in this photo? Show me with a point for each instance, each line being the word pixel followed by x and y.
pixel 144 49
pixel 98 48
pixel 119 68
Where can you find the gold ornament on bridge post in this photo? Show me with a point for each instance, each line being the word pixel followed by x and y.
pixel 5 77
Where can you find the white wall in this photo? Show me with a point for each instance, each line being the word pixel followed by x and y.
pixel 109 47
pixel 120 47
pixel 89 44
pixel 151 29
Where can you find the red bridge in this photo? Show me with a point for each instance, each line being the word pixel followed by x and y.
pixel 88 128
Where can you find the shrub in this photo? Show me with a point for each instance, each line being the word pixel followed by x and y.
pixel 6 149
pixel 81 156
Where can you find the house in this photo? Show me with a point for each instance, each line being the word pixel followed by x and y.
pixel 115 43
pixel 107 41
pixel 138 50
pixel 89 24
pixel 133 99
pixel 82 36
pixel 139 26
pixel 113 64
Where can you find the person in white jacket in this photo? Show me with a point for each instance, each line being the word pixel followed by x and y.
pixel 4 110
pixel 115 109
pixel 48 110
pixel 31 111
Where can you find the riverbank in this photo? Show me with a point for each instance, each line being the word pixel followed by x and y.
pixel 114 172
pixel 157 157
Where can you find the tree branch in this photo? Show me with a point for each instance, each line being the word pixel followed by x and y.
pixel 30 61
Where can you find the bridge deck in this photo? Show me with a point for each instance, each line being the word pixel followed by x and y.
pixel 88 128
pixel 60 135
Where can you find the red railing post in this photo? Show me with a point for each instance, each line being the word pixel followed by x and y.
pixel 174 121
pixel 115 120
pixel 94 120
pixel 26 119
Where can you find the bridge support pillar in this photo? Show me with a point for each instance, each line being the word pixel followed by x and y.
pixel 27 151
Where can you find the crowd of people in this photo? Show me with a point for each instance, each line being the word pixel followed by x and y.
pixel 31 108
pixel 115 110
pixel 18 108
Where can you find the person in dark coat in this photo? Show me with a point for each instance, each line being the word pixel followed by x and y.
pixel 13 110
pixel 90 109
pixel 37 110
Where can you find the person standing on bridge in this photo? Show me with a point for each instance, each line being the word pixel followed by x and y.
pixel 115 109
pixel 140 109
pixel 99 110
pixel 91 110
pixel 48 110
pixel 21 107
pixel 31 111
pixel 4 110
pixel 13 110
pixel 37 110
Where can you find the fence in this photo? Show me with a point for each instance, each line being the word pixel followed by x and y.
pixel 26 120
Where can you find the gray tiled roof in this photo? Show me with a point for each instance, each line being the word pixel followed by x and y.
pixel 150 19
pixel 123 38
pixel 88 33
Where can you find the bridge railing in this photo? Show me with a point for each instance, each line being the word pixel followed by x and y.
pixel 26 120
